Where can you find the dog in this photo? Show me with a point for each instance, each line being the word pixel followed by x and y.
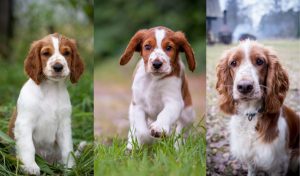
pixel 41 123
pixel 161 96
pixel 264 133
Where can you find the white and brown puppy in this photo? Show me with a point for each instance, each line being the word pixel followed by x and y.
pixel 264 133
pixel 41 123
pixel 160 89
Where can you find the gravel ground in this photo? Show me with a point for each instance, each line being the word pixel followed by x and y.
pixel 219 160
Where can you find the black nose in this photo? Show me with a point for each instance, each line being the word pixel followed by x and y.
pixel 57 67
pixel 157 64
pixel 245 87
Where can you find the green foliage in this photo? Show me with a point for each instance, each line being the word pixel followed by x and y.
pixel 116 21
pixel 159 159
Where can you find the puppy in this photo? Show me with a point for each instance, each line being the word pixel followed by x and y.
pixel 41 123
pixel 160 89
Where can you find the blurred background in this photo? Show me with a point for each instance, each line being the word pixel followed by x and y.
pixel 116 21
pixel 274 23
pixel 22 22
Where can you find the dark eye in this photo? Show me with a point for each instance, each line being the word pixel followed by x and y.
pixel 147 47
pixel 46 53
pixel 259 61
pixel 169 48
pixel 233 63
pixel 66 53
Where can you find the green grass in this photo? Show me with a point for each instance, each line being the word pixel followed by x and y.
pixel 160 158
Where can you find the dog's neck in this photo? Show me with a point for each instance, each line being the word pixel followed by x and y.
pixel 249 109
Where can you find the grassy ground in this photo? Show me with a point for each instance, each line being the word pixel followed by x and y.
pixel 159 159
pixel 112 97
pixel 12 78
pixel 219 161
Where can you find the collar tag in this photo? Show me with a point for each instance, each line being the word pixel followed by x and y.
pixel 250 116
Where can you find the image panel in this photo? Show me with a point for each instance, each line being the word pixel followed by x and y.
pixel 164 132
pixel 252 89
pixel 46 75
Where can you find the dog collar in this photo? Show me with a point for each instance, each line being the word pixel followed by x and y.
pixel 250 115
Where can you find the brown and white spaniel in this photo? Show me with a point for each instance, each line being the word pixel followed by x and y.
pixel 41 123
pixel 161 98
pixel 264 133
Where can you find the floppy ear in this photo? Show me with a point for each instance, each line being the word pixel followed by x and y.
pixel 33 64
pixel 133 45
pixel 224 85
pixel 277 83
pixel 184 46
pixel 77 66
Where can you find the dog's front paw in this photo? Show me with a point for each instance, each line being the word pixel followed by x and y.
pixel 157 130
pixel 31 169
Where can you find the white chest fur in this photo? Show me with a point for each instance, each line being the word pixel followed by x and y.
pixel 248 146
pixel 44 106
pixel 152 93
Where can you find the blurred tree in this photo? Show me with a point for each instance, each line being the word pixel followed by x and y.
pixel 6 25
pixel 117 20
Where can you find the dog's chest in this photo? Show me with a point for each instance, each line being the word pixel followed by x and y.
pixel 247 145
pixel 154 94
pixel 54 108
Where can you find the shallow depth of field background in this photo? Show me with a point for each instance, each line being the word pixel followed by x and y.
pixel 115 23
pixel 31 20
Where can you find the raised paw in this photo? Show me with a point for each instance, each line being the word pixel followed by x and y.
pixel 157 131
pixel 31 169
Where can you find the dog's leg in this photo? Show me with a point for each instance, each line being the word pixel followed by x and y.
pixel 65 143
pixel 138 126
pixel 185 121
pixel 251 170
pixel 24 143
pixel 166 118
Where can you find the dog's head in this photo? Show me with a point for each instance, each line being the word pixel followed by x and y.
pixel 159 48
pixel 248 72
pixel 55 58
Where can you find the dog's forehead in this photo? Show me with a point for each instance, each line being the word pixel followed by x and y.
pixel 158 33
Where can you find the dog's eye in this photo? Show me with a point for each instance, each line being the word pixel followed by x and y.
pixel 259 61
pixel 169 48
pixel 66 53
pixel 46 53
pixel 147 47
pixel 233 63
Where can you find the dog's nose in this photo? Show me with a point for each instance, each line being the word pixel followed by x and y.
pixel 245 87
pixel 57 67
pixel 157 64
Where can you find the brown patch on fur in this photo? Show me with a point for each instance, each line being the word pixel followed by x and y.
pixel 187 99
pixel 133 45
pixel 277 83
pixel 267 126
pixel 225 85
pixel 74 60
pixel 11 124
pixel 293 122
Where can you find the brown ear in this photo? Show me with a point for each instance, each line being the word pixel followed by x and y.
pixel 184 46
pixel 77 66
pixel 133 45
pixel 224 85
pixel 33 64
pixel 277 83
